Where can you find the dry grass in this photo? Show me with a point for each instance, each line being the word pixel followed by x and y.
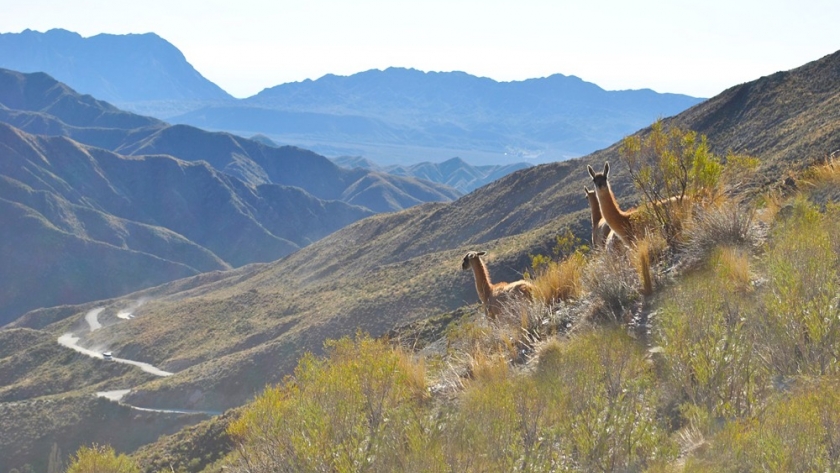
pixel 614 283
pixel 726 223
pixel 733 264
pixel 560 280
pixel 827 173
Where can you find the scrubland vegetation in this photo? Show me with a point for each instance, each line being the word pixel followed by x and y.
pixel 712 344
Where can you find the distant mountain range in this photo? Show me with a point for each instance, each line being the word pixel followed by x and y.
pixel 96 202
pixel 395 116
pixel 453 172
pixel 403 116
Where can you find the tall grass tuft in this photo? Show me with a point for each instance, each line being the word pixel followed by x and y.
pixel 726 223
pixel 560 280
pixel 613 283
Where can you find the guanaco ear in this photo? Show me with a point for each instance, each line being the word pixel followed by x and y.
pixel 481 253
pixel 586 189
pixel 591 171
pixel 606 169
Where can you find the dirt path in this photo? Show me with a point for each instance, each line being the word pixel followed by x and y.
pixel 92 318
pixel 118 395
pixel 71 341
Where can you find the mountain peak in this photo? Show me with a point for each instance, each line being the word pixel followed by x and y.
pixel 116 68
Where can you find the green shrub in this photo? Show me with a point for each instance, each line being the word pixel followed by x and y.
pixel 801 320
pixel 799 432
pixel 355 410
pixel 670 164
pixel 708 350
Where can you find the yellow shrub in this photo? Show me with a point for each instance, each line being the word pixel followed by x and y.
pixel 101 459
pixel 799 432
pixel 353 411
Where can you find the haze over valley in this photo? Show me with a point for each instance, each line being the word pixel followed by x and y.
pixel 392 116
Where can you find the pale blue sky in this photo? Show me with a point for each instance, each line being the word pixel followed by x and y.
pixel 694 47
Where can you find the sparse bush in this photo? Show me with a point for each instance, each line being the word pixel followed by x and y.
pixel 353 411
pixel 670 165
pixel 801 320
pixel 590 407
pixel 608 395
pixel 711 368
pixel 725 223
pixel 799 432
pixel 613 281
pixel 498 427
pixel 101 459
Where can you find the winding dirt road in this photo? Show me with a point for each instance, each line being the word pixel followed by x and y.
pixel 71 341
pixel 92 318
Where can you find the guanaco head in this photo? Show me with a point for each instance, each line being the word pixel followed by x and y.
pixel 471 256
pixel 600 179
pixel 590 194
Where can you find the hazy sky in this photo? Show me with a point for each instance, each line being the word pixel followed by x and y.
pixel 694 47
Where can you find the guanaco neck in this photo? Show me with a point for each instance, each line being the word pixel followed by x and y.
pixel 595 208
pixel 482 280
pixel 596 217
pixel 618 220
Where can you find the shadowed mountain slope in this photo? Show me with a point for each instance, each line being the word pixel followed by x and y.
pixel 82 223
pixel 788 119
pixel 97 123
pixel 257 163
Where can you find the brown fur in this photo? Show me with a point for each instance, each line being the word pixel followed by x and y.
pixel 495 296
pixel 618 220
pixel 600 229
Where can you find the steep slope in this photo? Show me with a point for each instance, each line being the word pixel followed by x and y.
pixel 226 338
pixel 788 119
pixel 116 68
pixel 82 223
pixel 404 115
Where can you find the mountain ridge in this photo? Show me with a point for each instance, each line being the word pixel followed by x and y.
pixel 116 68
pixel 394 116
pixel 454 172
pixel 409 111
